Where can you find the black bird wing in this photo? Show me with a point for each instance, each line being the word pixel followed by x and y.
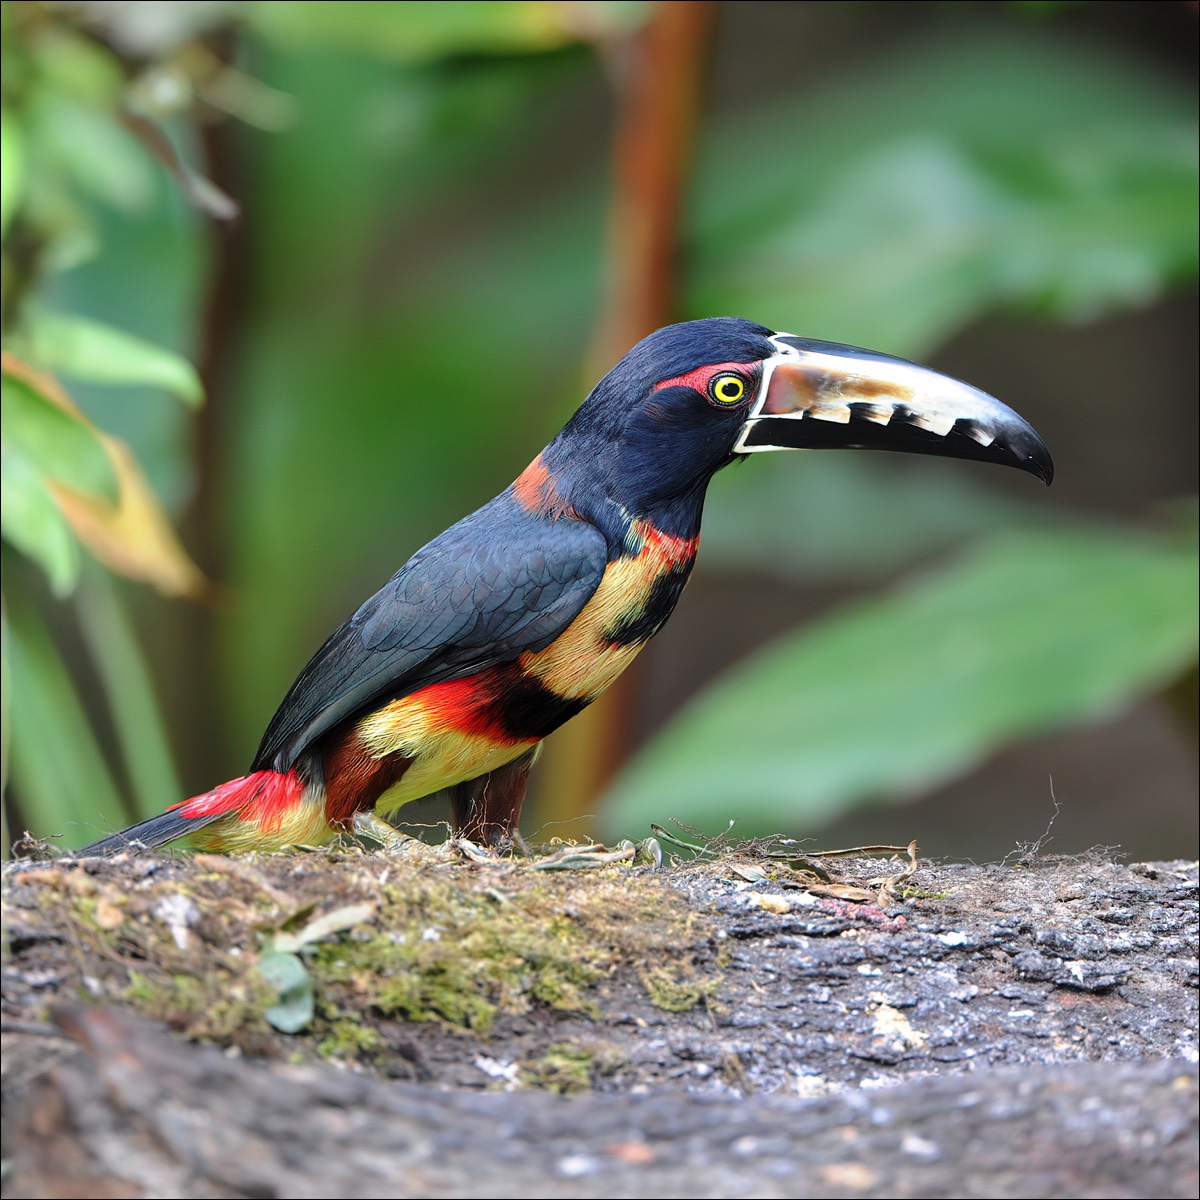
pixel 498 583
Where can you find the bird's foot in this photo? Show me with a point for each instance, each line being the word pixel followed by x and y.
pixel 492 846
pixel 647 852
pixel 472 850
pixel 392 841
pixel 570 857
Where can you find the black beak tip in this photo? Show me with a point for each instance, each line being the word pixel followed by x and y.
pixel 1035 458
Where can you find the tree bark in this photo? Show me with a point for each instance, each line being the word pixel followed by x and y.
pixel 1015 1030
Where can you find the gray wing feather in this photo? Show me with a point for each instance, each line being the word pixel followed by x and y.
pixel 496 584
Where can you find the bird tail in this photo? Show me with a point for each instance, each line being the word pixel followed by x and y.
pixel 263 811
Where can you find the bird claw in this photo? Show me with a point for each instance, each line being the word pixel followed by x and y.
pixel 578 858
pixel 649 853
pixel 472 851
pixel 391 840
pixel 596 854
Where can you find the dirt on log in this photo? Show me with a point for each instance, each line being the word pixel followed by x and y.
pixel 421 1023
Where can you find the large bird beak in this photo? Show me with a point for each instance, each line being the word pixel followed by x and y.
pixel 823 395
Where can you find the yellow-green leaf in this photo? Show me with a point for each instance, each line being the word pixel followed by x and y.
pixel 32 522
pixel 59 442
pixel 12 167
pixel 85 349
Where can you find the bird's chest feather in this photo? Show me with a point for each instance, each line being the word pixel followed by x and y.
pixel 464 727
pixel 636 595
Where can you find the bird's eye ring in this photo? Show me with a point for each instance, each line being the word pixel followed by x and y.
pixel 727 388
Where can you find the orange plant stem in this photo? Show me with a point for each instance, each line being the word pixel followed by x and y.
pixel 658 77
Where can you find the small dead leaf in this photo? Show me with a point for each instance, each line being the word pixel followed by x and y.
pixel 750 872
pixel 132 537
pixel 577 858
pixel 768 902
pixel 888 887
pixel 324 926
pixel 840 891
pixel 293 987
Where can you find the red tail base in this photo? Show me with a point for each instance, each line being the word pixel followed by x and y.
pixel 261 798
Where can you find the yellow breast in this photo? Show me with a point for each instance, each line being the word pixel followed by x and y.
pixel 585 658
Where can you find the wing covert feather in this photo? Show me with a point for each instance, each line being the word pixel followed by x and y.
pixel 491 587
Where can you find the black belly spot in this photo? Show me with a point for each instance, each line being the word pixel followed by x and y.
pixel 527 708
pixel 641 626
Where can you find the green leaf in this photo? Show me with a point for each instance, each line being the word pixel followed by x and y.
pixel 138 721
pixel 59 773
pixel 70 62
pixel 12 167
pixel 899 693
pixel 287 976
pixel 32 522
pixel 950 177
pixel 149 281
pixel 86 145
pixel 58 442
pixel 86 349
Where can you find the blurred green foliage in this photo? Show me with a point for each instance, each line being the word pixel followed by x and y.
pixel 961 175
pixel 1021 634
pixel 397 325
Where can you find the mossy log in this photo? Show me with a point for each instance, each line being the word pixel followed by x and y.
pixel 352 1024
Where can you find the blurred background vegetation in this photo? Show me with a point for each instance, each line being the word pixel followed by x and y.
pixel 289 287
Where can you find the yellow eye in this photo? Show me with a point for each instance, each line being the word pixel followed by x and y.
pixel 727 389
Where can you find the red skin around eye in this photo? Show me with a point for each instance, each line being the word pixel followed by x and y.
pixel 699 378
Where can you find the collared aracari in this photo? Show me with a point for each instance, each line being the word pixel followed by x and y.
pixel 515 619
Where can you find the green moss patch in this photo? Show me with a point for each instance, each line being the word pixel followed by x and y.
pixel 381 946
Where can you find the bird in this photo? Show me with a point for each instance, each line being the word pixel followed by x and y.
pixel 447 680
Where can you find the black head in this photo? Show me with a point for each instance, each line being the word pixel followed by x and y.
pixel 690 398
pixel 667 416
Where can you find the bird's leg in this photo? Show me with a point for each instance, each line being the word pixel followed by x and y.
pixel 488 809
